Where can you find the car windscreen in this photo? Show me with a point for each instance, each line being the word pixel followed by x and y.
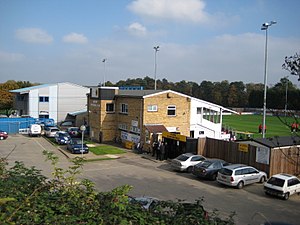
pixel 276 181
pixel 54 130
pixel 182 158
pixel 77 142
pixel 206 164
pixel 226 171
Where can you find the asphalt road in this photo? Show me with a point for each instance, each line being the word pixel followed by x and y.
pixel 156 179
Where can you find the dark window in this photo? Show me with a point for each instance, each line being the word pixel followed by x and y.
pixel 110 107
pixel 239 172
pixel 44 99
pixel 171 110
pixel 124 108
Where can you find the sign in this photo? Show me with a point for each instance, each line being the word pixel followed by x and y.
pixel 94 92
pixel 177 137
pixel 263 155
pixel 243 147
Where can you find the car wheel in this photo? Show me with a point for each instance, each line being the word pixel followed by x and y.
pixel 1 138
pixel 286 196
pixel 262 179
pixel 240 185
pixel 214 176
pixel 190 169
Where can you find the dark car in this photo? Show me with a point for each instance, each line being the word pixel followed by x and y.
pixel 74 132
pixel 76 146
pixel 209 168
pixel 3 135
pixel 62 137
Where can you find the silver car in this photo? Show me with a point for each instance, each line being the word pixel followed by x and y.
pixel 239 175
pixel 186 162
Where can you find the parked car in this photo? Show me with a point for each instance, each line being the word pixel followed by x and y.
pixel 239 175
pixel 3 135
pixel 35 130
pixel 209 168
pixel 186 161
pixel 75 146
pixel 282 185
pixel 74 132
pixel 62 137
pixel 50 131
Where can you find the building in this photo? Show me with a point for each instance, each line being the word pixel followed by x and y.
pixel 53 101
pixel 147 115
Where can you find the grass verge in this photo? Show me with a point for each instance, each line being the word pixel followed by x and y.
pixel 106 149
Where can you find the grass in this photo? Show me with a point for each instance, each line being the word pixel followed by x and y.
pixel 105 149
pixel 276 126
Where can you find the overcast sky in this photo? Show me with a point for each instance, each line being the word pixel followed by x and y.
pixel 51 41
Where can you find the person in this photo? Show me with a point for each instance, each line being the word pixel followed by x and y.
pixel 154 148
pixel 162 151
pixel 158 152
pixel 260 128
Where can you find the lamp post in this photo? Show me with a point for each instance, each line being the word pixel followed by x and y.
pixel 265 27
pixel 82 128
pixel 156 49
pixel 104 61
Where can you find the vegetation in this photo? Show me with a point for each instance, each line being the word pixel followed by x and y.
pixel 27 197
pixel 292 64
pixel 106 149
pixel 276 126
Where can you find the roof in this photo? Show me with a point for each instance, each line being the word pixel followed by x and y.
pixel 156 128
pixel 137 93
pixel 27 89
pixel 274 142
pixel 78 112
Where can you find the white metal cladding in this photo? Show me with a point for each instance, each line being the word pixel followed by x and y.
pixel 53 107
pixel 34 103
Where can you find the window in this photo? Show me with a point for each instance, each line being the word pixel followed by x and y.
pixel 211 115
pixel 124 108
pixel 110 107
pixel 199 110
pixel 152 108
pixel 123 126
pixel 44 99
pixel 171 110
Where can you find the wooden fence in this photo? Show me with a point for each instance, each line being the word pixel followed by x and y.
pixel 282 160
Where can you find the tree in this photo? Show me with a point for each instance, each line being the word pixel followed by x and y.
pixel 292 64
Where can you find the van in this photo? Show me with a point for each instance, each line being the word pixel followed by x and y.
pixel 35 130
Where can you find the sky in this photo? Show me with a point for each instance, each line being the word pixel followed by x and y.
pixel 50 41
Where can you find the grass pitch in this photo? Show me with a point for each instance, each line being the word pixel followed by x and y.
pixel 276 126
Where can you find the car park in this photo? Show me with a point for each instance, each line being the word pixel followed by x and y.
pixel 282 185
pixel 186 161
pixel 74 132
pixel 50 131
pixel 62 137
pixel 239 175
pixel 3 135
pixel 76 146
pixel 209 168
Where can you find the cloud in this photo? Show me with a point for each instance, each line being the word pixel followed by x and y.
pixel 75 38
pixel 137 29
pixel 33 35
pixel 10 57
pixel 179 10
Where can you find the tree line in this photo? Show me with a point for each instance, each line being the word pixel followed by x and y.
pixel 235 94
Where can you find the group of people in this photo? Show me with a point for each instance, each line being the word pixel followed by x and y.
pixel 260 128
pixel 294 127
pixel 159 150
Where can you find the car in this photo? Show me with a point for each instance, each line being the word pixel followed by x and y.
pixel 239 175
pixel 282 185
pixel 186 161
pixel 50 131
pixel 64 125
pixel 76 146
pixel 62 137
pixel 209 168
pixel 35 130
pixel 3 135
pixel 74 132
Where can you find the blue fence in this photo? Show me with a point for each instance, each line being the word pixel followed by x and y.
pixel 13 125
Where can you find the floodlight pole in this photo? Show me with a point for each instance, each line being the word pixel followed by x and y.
pixel 265 27
pixel 104 62
pixel 155 65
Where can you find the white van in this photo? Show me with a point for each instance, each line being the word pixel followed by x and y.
pixel 35 130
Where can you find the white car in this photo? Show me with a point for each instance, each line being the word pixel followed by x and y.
pixel 282 185
pixel 51 131
pixel 186 162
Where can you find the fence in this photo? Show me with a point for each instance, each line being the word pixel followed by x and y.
pixel 282 160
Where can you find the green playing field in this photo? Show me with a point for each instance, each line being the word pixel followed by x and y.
pixel 276 126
